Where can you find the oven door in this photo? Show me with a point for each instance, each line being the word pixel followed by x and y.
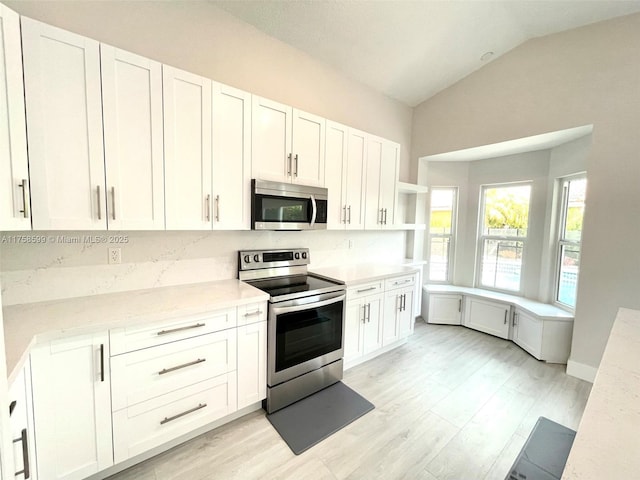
pixel 304 335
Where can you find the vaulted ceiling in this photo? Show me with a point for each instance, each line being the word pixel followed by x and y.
pixel 412 49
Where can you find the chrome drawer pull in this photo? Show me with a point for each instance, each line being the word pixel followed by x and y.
pixel 191 410
pixel 257 312
pixel 366 289
pixel 403 282
pixel 184 365
pixel 179 329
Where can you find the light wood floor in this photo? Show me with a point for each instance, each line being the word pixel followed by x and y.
pixel 451 404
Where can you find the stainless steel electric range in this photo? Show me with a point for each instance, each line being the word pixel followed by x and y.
pixel 305 324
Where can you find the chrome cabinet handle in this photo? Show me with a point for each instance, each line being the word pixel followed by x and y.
pixel 207 202
pixel 404 302
pixel 385 216
pixel 113 202
pixel 25 203
pixel 505 316
pixel 25 454
pixel 369 312
pixel 251 314
pixel 366 289
pixel 102 362
pixel 217 208
pixel 99 206
pixel 186 412
pixel 344 214
pixel 364 313
pixel 289 165
pixel 459 305
pixel 381 219
pixel 515 318
pixel 349 210
pixel 295 172
pixel 179 329
pixel 184 365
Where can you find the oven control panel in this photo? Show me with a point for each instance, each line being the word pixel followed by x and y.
pixel 255 259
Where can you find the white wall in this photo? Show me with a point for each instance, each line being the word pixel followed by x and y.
pixel 589 75
pixel 203 39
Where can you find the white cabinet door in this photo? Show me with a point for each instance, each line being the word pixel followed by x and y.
pixel 388 181
pixel 132 112
pixel 373 324
pixel 231 158
pixel 187 149
pixel 398 316
pixel 445 309
pixel 252 363
pixel 271 140
pixel 355 318
pixel 72 406
pixel 21 424
pixel 335 174
pixel 407 317
pixel 64 128
pixel 486 316
pixel 308 149
pixel 14 170
pixel 527 332
pixel 355 179
pixel 373 213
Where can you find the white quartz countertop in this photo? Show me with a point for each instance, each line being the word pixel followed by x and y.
pixel 541 310
pixel 27 324
pixel 361 273
pixel 606 445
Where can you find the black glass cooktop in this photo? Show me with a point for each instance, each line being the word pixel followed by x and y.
pixel 295 284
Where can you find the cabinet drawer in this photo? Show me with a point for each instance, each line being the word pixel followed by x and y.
pixel 144 426
pixel 144 374
pixel 252 313
pixel 400 282
pixel 128 339
pixel 364 290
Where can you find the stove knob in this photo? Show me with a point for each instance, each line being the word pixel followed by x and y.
pixel 304 255
pixel 256 258
pixel 247 259
pixel 297 256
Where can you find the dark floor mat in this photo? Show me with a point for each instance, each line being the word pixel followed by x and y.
pixel 312 419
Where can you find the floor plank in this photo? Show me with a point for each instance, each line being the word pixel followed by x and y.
pixel 450 404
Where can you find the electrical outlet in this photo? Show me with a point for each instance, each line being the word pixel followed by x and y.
pixel 115 255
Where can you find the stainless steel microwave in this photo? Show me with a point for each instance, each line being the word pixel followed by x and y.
pixel 287 206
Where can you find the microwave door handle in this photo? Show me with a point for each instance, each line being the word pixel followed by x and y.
pixel 314 210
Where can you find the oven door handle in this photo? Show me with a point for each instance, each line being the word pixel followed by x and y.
pixel 307 306
pixel 314 210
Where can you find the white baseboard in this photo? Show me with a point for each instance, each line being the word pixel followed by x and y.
pixel 581 371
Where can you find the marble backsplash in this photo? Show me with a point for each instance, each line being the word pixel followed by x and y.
pixel 73 264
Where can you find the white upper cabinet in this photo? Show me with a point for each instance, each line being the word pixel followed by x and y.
pixel 231 158
pixel 14 171
pixel 187 149
pixel 287 144
pixel 355 177
pixel 345 155
pixel 64 120
pixel 132 110
pixel 382 176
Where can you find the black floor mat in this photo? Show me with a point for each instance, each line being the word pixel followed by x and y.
pixel 312 419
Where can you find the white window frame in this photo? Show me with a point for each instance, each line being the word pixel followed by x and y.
pixel 563 202
pixel 451 236
pixel 482 238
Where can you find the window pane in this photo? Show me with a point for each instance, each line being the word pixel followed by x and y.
pixel 575 210
pixel 569 269
pixel 506 210
pixel 441 217
pixel 502 264
pixel 439 259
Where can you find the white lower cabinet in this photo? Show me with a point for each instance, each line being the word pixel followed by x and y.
pixel 487 316
pixel 252 363
pixel 363 321
pixel 398 318
pixel 149 424
pixel 72 406
pixel 21 425
pixel 545 339
pixel 445 309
